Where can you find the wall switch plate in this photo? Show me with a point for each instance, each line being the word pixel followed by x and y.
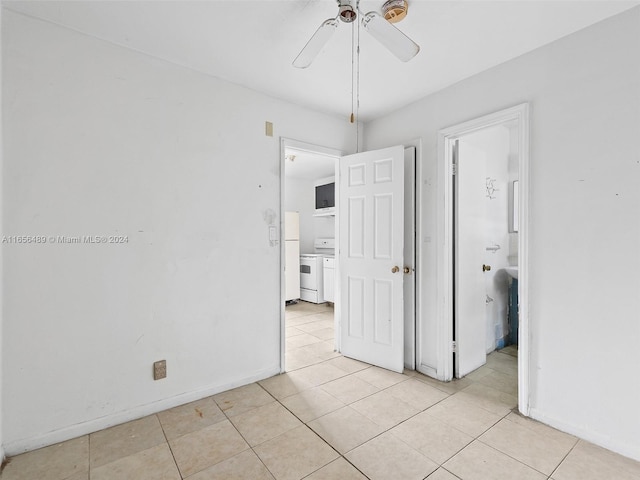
pixel 268 129
pixel 159 369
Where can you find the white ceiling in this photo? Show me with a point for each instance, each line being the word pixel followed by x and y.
pixel 308 165
pixel 253 43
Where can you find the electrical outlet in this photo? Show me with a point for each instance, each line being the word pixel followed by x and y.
pixel 159 369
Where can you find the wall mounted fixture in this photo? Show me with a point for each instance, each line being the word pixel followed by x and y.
pixel 491 189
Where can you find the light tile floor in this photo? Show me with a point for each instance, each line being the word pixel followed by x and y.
pixel 331 417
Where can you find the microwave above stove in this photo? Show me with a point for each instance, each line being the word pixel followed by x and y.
pixel 325 199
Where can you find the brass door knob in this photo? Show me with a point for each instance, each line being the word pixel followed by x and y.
pixel 486 268
pixel 395 269
pixel 406 270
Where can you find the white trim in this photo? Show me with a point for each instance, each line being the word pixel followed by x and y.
pixel 446 137
pixel 317 149
pixel 27 444
pixel 417 144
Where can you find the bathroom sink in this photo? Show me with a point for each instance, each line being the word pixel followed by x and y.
pixel 512 271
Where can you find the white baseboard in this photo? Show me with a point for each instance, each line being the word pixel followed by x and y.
pixel 623 448
pixel 66 433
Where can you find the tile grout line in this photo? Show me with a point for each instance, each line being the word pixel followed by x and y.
pixel 89 456
pixel 565 457
pixel 340 455
pixel 449 395
pixel 511 457
pixel 384 431
pixel 250 447
pixel 175 461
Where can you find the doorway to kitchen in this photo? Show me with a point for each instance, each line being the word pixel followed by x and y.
pixel 309 212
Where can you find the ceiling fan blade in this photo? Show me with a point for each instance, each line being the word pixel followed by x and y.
pixel 315 43
pixel 396 42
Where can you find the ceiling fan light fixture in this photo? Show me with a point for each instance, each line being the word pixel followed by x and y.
pixel 347 11
pixel 395 10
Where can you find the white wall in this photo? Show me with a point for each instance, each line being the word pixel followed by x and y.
pixel 100 140
pixel 584 93
pixel 299 196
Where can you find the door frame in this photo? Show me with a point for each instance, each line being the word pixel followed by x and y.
pixel 518 114
pixel 316 149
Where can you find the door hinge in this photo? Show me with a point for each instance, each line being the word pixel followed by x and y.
pixel 454 347
pixel 454 169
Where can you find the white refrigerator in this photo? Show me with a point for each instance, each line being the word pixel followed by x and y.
pixel 292 255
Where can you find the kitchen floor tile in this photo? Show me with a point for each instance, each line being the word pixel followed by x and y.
pixel 301 340
pixel 206 447
pixel 345 429
pixel 384 409
pixel 317 324
pixel 190 417
pixel 284 385
pixel 488 398
pixel 317 374
pixel 264 423
pixel 239 400
pixel 481 462
pixel 503 363
pixel 432 437
pixel 323 334
pixel 464 416
pixel 502 382
pixel 56 462
pixel 590 462
pixel 442 474
pixel 349 365
pixel 339 469
pixel 124 440
pixel 323 349
pixel 295 454
pixel 380 377
pixel 292 332
pixel 349 389
pixel 244 466
pixel 311 404
pixel 155 463
pixel 529 446
pixel 417 394
pixel 387 457
pixel 299 358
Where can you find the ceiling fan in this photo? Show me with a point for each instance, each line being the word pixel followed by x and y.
pixel 378 26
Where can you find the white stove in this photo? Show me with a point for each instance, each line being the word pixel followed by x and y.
pixel 311 270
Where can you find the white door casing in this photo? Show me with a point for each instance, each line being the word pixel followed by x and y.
pixel 469 289
pixel 371 240
pixel 410 257
pixel 286 143
pixel 519 117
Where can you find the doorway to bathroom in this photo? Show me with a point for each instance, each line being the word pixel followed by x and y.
pixel 483 182
pixel 485 244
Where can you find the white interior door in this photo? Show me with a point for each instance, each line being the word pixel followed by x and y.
pixel 371 257
pixel 469 285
